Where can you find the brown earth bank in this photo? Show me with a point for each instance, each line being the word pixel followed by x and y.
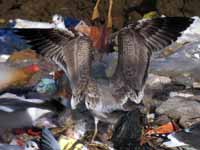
pixel 42 10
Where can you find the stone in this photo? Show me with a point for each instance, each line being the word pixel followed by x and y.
pixel 186 110
pixel 182 66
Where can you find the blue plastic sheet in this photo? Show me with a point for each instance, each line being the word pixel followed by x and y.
pixel 71 22
pixel 9 42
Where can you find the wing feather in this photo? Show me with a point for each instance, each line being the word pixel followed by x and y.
pixel 160 32
pixel 137 41
pixel 72 54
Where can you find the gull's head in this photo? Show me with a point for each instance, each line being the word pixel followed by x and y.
pixel 57 19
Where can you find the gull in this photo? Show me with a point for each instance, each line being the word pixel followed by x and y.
pixel 18 112
pixel 107 96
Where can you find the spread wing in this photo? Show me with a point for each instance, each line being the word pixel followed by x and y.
pixel 160 32
pixel 47 42
pixel 70 53
pixel 137 41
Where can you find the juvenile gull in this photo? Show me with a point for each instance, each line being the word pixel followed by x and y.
pixel 107 96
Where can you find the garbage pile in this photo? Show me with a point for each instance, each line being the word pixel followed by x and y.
pixel 35 107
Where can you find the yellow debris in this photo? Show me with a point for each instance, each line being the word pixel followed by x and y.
pixel 151 15
pixel 2 21
pixel 109 24
pixel 67 143
pixel 95 13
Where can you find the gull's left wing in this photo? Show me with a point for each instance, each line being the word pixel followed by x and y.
pixel 70 51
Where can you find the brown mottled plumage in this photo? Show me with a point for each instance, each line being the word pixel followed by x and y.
pixel 72 54
pixel 106 97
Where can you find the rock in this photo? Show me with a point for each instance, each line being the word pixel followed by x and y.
pixel 158 89
pixel 186 110
pixel 180 94
pixel 182 66
pixel 156 81
pixel 162 119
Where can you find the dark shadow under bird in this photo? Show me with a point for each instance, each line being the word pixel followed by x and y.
pixel 128 130
pixel 107 97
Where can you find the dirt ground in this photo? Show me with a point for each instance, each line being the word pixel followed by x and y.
pixel 42 10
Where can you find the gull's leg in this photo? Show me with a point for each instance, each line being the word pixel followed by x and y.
pixel 109 24
pixel 96 120
pixel 95 13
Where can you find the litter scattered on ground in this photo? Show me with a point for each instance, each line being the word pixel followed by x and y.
pixel 170 105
